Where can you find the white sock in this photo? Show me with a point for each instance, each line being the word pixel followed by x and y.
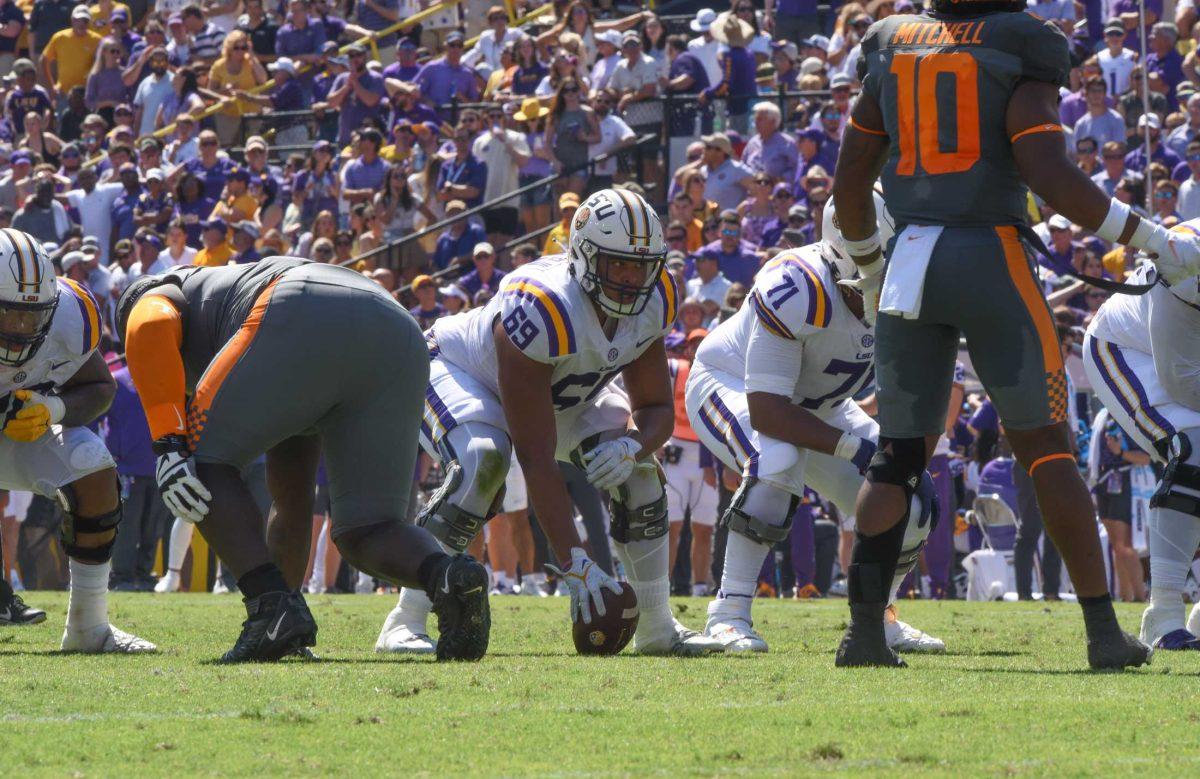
pixel 743 562
pixel 181 539
pixel 1173 539
pixel 646 565
pixel 88 606
pixel 414 608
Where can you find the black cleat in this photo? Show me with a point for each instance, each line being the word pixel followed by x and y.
pixel 14 611
pixel 1116 651
pixel 278 624
pixel 459 591
pixel 864 646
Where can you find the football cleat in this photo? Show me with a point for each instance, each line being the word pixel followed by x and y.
pixel 168 583
pixel 808 592
pixel 678 641
pixel 403 640
pixel 458 590
pixel 105 639
pixel 15 612
pixel 865 645
pixel 277 624
pixel 1193 621
pixel 1177 640
pixel 903 637
pixel 1116 651
pixel 736 635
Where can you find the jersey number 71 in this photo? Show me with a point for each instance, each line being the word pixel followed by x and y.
pixel 918 117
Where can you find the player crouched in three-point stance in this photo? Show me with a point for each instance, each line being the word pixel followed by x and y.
pixel 960 110
pixel 294 359
pixel 531 372
pixel 1142 356
pixel 770 393
pixel 52 383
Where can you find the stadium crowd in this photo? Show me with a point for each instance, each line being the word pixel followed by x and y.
pixel 437 156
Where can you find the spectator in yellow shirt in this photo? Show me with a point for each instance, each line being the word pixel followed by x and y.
pixel 238 68
pixel 556 240
pixel 73 51
pixel 217 249
pixel 102 16
pixel 237 204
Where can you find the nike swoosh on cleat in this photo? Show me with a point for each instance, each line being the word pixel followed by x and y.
pixel 473 591
pixel 446 581
pixel 273 632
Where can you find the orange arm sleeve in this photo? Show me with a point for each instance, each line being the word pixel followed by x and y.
pixel 153 340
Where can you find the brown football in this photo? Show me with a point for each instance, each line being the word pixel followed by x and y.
pixel 609 634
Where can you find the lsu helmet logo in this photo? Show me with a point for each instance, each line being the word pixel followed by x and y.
pixel 581 217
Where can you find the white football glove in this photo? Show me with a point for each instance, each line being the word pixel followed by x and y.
pixel 181 489
pixel 612 462
pixel 1178 254
pixel 585 579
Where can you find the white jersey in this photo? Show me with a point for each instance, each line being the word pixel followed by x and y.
pixel 1117 70
pixel 795 298
pixel 547 315
pixel 74 335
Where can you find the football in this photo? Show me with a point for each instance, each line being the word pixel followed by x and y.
pixel 609 634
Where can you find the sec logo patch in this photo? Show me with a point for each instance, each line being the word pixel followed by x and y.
pixel 612 355
pixel 868 341
pixel 19 377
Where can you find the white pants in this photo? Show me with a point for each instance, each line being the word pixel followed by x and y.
pixel 686 489
pixel 1127 384
pixel 62 456
pixel 454 397
pixel 717 408
pixel 516 496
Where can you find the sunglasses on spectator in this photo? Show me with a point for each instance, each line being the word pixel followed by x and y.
pixel 569 90
pixel 833 114
pixel 208 143
pixel 1120 157
pixel 1096 295
pixel 344 242
pixel 677 237
pixel 729 232
pixel 113 50
pixel 1164 195
pixel 323 250
pixel 783 195
pixel 454 45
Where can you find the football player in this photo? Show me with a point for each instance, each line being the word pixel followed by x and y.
pixel 771 394
pixel 53 382
pixel 531 372
pixel 1142 356
pixel 297 360
pixel 959 109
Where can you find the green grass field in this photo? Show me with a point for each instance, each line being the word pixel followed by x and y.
pixel 1010 698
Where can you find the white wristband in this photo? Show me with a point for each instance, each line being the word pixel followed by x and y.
pixel 1114 222
pixel 847 446
pixel 874 269
pixel 864 247
pixel 54 404
pixel 1149 236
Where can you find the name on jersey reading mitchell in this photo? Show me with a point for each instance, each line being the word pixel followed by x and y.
pixel 938 34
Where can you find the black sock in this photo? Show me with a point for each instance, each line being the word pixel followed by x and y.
pixel 1098 615
pixel 263 579
pixel 873 565
pixel 427 567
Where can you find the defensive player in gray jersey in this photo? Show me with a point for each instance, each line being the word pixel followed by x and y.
pixel 296 360
pixel 958 109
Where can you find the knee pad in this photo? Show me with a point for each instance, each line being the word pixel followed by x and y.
pixel 472 490
pixel 444 519
pixel 73 524
pixel 882 560
pixel 760 511
pixel 1183 471
pixel 899 461
pixel 920 521
pixel 639 508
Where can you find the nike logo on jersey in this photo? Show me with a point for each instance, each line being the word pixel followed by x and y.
pixel 56 365
pixel 178 419
pixel 640 344
pixel 273 632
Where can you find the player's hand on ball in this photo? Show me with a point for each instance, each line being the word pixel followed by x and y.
pixel 32 414
pixel 1178 254
pixel 869 287
pixel 585 580
pixel 182 491
pixel 612 462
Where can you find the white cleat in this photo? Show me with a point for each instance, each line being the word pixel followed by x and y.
pixel 403 640
pixel 220 588
pixel 168 583
pixel 105 639
pixel 678 641
pixel 736 634
pixel 1193 621
pixel 903 637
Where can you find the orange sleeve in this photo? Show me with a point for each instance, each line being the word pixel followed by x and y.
pixel 153 340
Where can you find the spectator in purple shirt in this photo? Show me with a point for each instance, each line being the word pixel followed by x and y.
pixel 460 238
pixel 1165 60
pixel 406 103
pixel 406 67
pixel 463 177
pixel 1062 247
pixel 486 275
pixel 209 167
pixel 105 87
pixel 301 41
pixel 446 78
pixel 735 257
pixel 26 96
pixel 358 94
pixel 364 176
pixel 1127 12
pixel 379 15
pixel 428 310
pixel 286 96
pixel 1136 159
pixel 770 151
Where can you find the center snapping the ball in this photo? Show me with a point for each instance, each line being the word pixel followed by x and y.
pixel 609 634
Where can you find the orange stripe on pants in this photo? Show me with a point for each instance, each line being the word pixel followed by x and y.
pixel 1035 303
pixel 221 366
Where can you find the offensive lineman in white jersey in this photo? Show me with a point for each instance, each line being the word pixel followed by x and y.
pixel 771 394
pixel 1142 355
pixel 530 372
pixel 52 383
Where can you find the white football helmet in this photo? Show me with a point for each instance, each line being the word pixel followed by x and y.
pixel 616 224
pixel 834 249
pixel 28 296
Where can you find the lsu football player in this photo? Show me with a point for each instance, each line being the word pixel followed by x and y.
pixel 1142 356
pixel 771 394
pixel 53 382
pixel 531 372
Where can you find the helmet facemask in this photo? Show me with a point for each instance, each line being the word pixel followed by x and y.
pixel 601 285
pixel 23 329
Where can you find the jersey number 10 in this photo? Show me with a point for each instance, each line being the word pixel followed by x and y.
pixel 917 112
